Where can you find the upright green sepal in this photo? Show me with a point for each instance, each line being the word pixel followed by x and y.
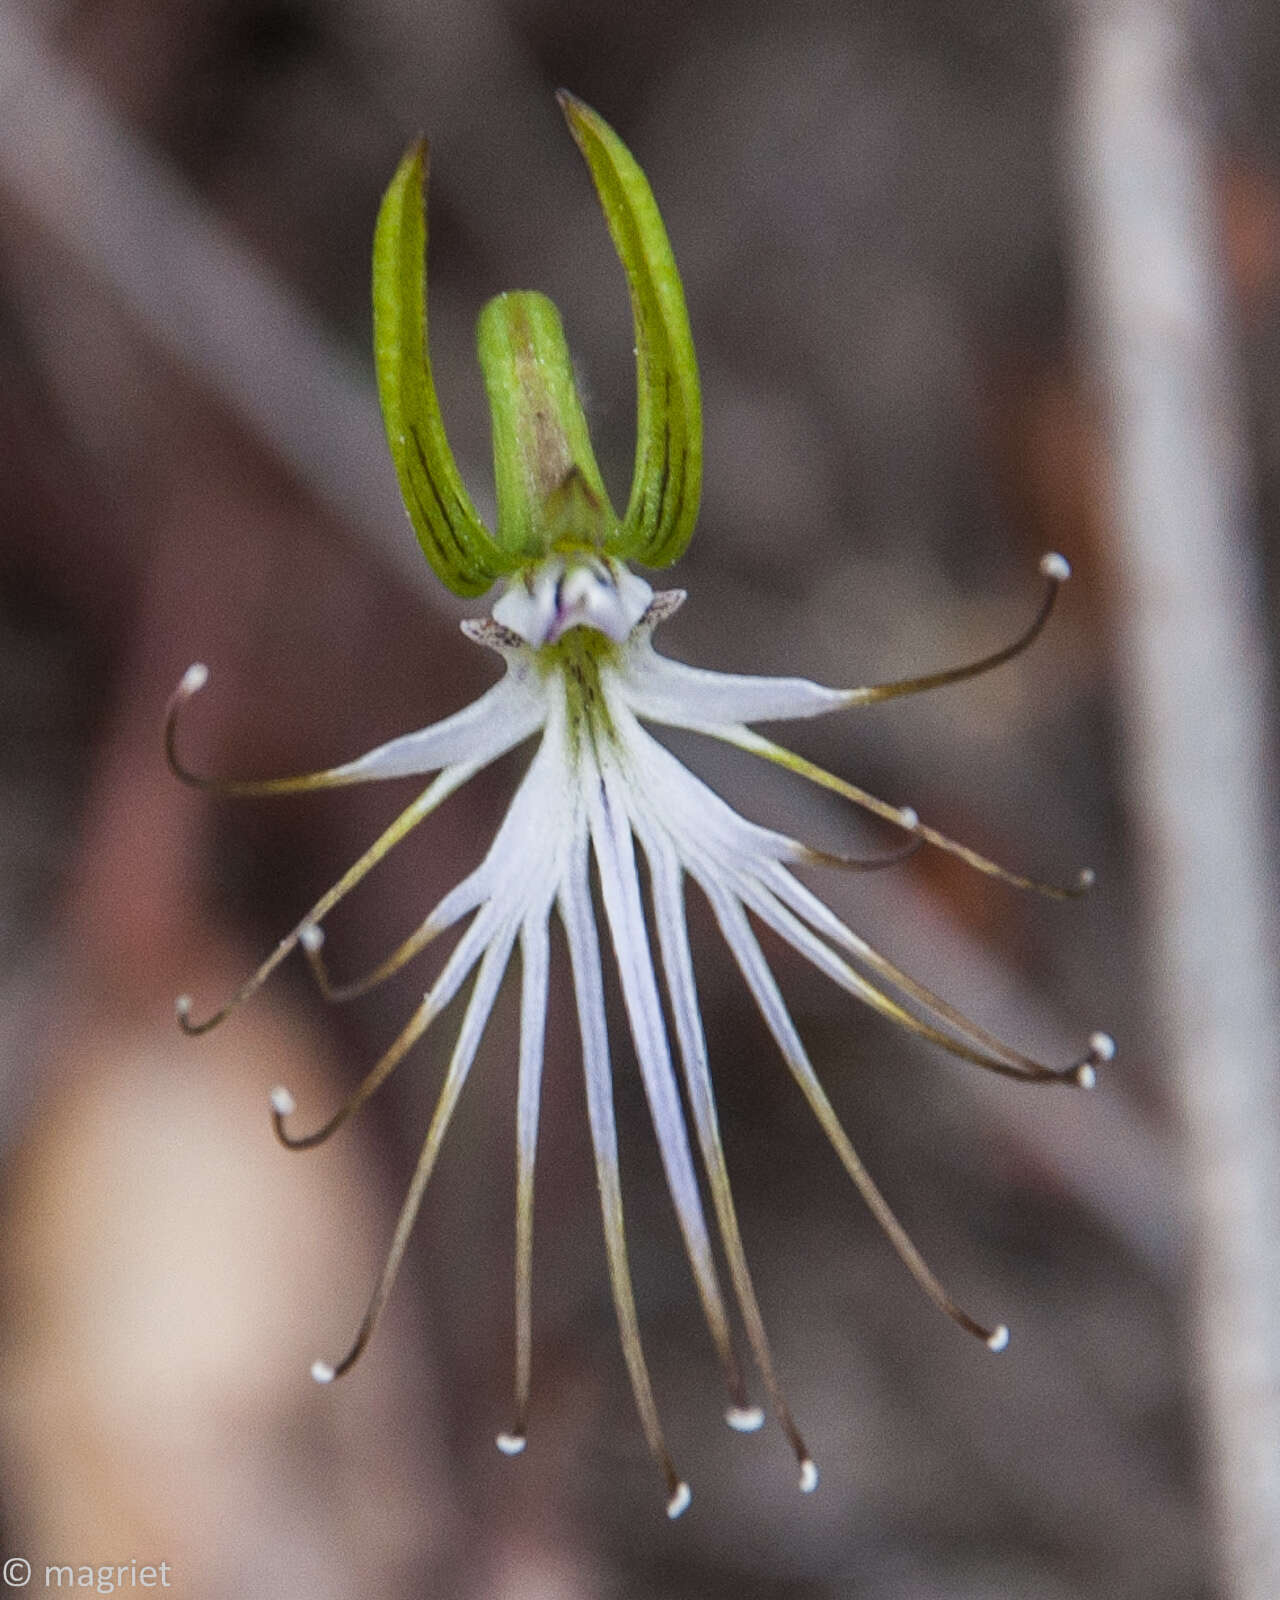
pixel 459 547
pixel 667 483
pixel 551 497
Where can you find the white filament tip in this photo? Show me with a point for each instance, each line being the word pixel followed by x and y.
pixel 1102 1047
pixel 808 1476
pixel 1086 877
pixel 1055 566
pixel 998 1338
pixel 744 1419
pixel 182 1005
pixel 322 1372
pixel 1086 1076
pixel 194 678
pixel 311 936
pixel 284 1105
pixel 909 817
pixel 511 1444
pixel 679 1501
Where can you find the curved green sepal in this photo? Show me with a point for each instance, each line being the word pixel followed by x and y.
pixel 459 547
pixel 668 474
pixel 551 496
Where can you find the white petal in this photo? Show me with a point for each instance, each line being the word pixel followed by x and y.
pixel 480 1005
pixel 964 1031
pixel 462 958
pixel 534 962
pixel 473 1024
pixel 673 934
pixel 535 958
pixel 719 846
pixel 520 869
pixel 527 850
pixel 479 733
pixel 726 854
pixel 753 894
pixel 666 691
pixel 760 980
pixel 680 798
pixel 588 982
pixel 764 989
pixel 620 888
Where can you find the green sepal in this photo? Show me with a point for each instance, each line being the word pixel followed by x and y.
pixel 667 483
pixel 551 496
pixel 459 547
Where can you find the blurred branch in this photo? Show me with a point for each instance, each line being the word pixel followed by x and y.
pixel 202 297
pixel 1194 692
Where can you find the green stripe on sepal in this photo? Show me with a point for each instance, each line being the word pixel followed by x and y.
pixel 668 473
pixel 551 496
pixel 459 547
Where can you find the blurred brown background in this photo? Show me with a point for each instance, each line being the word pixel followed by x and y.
pixel 872 206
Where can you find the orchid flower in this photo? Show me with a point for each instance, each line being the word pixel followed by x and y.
pixel 574 626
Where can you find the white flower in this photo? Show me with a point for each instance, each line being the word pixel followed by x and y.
pixel 575 636
pixel 574 628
